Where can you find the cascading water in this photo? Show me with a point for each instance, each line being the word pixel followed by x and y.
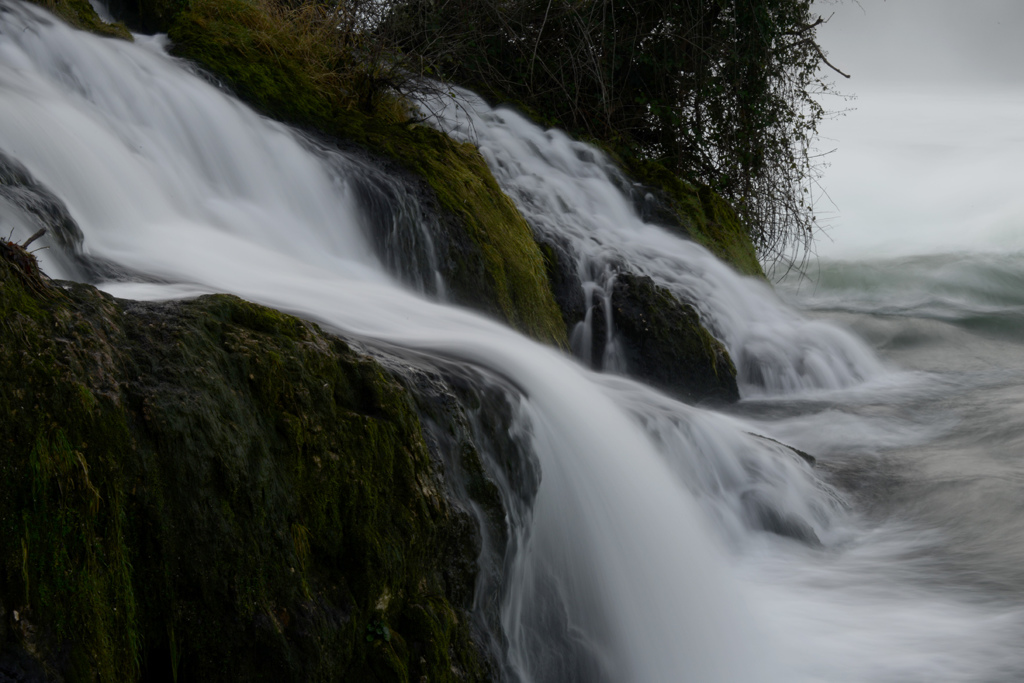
pixel 569 190
pixel 170 178
pixel 620 565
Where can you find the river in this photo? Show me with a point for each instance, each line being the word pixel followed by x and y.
pixel 667 542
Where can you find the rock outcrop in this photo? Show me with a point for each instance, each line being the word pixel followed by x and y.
pixel 664 344
pixel 215 490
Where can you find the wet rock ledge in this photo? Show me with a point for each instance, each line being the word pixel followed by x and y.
pixel 214 491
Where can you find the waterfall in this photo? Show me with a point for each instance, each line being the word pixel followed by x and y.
pixel 621 566
pixel 170 178
pixel 569 190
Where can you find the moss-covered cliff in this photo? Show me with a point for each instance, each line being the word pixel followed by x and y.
pixel 211 490
pixel 273 62
pixel 495 267
pixel 487 254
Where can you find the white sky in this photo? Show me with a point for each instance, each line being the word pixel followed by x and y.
pixel 915 41
pixel 930 157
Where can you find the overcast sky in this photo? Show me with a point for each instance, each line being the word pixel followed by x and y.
pixel 925 40
pixel 929 157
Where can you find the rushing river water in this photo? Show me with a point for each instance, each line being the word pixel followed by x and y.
pixel 931 461
pixel 666 542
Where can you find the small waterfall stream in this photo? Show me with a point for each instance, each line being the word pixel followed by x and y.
pixel 571 191
pixel 663 542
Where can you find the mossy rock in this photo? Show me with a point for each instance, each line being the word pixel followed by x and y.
pixel 661 339
pixel 696 212
pixel 81 15
pixel 491 262
pixel 213 491
pixel 490 258
pixel 663 343
pixel 560 261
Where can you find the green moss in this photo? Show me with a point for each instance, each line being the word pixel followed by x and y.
pixel 62 528
pixel 212 490
pixel 222 36
pixel 706 217
pixel 81 15
pixel 516 278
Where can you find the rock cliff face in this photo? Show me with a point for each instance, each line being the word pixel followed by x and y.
pixel 217 491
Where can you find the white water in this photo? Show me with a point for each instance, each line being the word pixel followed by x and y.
pixel 568 189
pixel 645 532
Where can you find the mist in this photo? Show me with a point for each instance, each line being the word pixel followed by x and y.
pixel 923 152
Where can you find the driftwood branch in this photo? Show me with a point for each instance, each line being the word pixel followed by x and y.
pixel 39 233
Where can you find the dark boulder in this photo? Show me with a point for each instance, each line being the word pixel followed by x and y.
pixel 762 516
pixel 663 343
